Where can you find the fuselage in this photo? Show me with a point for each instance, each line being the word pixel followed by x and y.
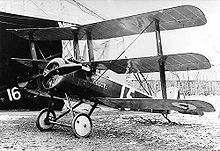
pixel 84 85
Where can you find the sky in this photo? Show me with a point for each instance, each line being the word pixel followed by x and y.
pixel 204 39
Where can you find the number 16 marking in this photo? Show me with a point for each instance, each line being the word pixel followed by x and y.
pixel 13 94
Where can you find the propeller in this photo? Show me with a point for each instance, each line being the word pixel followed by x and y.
pixel 56 69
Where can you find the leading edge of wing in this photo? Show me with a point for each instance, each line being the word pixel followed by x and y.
pixel 172 18
pixel 173 62
pixel 48 33
pixel 141 104
pixel 169 19
pixel 41 64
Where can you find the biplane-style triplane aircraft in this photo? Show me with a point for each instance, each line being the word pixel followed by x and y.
pixel 81 81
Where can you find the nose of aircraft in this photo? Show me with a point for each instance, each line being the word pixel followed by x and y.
pixel 52 80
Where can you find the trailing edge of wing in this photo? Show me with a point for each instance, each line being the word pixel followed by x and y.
pixel 30 62
pixel 172 18
pixel 173 62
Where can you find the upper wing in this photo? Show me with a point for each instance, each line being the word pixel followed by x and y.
pixel 171 18
pixel 41 64
pixel 142 104
pixel 8 20
pixel 49 33
pixel 174 62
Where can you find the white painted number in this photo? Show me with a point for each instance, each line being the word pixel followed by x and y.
pixel 13 94
pixel 122 91
pixel 127 92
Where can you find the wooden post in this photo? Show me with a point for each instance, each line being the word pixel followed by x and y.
pixel 76 46
pixel 90 47
pixel 161 60
pixel 34 57
pixel 32 48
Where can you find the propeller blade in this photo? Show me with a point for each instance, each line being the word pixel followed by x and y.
pixel 65 69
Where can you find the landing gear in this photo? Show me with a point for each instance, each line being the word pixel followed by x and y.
pixel 43 120
pixel 81 125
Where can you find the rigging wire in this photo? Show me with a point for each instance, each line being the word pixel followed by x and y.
pixel 148 84
pixel 40 8
pixel 85 9
pixel 41 52
pixel 140 82
pixel 121 54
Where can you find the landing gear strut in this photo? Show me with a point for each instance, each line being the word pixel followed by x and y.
pixel 81 124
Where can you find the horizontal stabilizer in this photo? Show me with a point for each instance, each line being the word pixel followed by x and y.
pixel 173 62
pixel 169 19
pixel 141 104
pixel 41 64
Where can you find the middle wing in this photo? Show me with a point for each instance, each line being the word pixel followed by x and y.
pixel 174 62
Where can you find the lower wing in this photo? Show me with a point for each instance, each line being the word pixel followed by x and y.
pixel 195 107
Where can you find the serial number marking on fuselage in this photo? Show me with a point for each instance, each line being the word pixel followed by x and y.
pixel 100 84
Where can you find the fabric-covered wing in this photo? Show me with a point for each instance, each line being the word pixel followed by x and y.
pixel 50 33
pixel 171 18
pixel 141 104
pixel 30 62
pixel 174 62
pixel 8 20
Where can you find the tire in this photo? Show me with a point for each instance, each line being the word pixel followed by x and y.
pixel 40 123
pixel 81 125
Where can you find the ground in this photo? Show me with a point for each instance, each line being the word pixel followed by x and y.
pixel 115 130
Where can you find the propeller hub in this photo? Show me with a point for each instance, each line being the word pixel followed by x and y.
pixel 52 80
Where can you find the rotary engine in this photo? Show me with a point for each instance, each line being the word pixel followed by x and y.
pixel 51 75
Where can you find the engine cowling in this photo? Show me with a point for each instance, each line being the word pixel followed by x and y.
pixel 51 81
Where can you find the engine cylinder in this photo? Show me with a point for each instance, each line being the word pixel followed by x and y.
pixel 52 81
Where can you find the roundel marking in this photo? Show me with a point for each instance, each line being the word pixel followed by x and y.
pixel 184 106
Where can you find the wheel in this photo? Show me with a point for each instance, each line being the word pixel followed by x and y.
pixel 41 120
pixel 81 125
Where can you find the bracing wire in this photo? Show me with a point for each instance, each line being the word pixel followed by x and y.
pixel 40 8
pixel 41 52
pixel 121 53
pixel 140 82
pixel 85 9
